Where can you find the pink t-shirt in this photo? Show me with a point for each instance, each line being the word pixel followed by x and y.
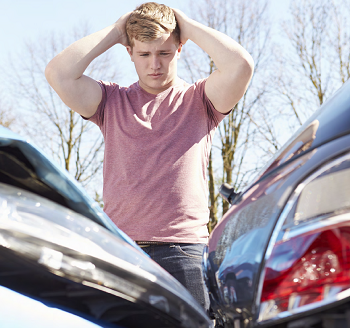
pixel 156 155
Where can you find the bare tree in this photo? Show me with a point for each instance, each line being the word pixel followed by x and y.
pixel 316 60
pixel 248 24
pixel 338 37
pixel 74 143
pixel 312 61
pixel 7 119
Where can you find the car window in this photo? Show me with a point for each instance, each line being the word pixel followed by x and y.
pixel 325 192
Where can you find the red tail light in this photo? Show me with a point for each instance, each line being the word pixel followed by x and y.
pixel 310 267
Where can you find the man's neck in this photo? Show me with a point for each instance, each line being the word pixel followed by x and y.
pixel 156 91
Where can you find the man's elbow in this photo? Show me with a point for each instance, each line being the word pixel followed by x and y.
pixel 54 74
pixel 50 73
pixel 248 66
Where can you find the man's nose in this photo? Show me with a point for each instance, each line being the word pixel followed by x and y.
pixel 155 63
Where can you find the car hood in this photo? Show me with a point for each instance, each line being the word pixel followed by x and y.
pixel 24 165
pixel 59 247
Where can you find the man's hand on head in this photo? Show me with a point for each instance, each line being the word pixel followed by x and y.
pixel 235 67
pixel 184 25
pixel 65 72
pixel 120 25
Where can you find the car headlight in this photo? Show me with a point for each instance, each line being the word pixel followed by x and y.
pixel 64 241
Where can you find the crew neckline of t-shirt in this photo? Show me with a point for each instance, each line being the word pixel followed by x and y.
pixel 179 83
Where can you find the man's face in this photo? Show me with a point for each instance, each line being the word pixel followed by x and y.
pixel 156 63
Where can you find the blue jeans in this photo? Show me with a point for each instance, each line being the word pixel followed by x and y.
pixel 183 262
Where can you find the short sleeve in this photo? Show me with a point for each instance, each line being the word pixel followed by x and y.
pixel 108 88
pixel 214 116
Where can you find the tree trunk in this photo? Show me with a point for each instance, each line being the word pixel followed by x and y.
pixel 213 216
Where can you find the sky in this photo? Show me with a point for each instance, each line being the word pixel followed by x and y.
pixel 28 20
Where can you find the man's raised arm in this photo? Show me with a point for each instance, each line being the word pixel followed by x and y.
pixel 65 72
pixel 226 86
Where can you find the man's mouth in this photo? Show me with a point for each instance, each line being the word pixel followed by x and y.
pixel 155 75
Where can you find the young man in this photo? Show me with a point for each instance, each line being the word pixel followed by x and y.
pixel 158 131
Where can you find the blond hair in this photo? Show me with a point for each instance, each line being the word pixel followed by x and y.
pixel 150 21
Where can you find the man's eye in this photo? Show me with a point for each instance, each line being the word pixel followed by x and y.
pixel 164 53
pixel 144 55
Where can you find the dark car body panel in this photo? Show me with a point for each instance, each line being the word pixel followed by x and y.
pixel 92 302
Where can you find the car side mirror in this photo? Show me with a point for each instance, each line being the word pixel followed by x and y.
pixel 227 192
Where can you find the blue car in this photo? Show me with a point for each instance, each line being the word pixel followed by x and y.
pixel 280 256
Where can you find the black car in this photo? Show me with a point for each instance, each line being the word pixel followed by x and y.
pixel 63 263
pixel 280 257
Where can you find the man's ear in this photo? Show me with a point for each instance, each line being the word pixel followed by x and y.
pixel 179 49
pixel 129 49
